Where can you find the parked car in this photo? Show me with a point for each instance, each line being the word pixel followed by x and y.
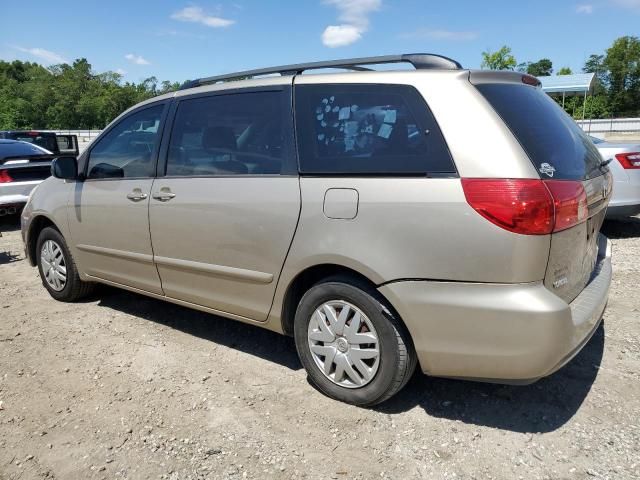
pixel 58 144
pixel 624 162
pixel 441 217
pixel 22 166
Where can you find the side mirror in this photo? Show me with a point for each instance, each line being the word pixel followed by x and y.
pixel 65 168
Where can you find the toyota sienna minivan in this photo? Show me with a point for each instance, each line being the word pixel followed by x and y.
pixel 435 217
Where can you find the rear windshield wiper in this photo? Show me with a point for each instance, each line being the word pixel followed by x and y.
pixel 604 163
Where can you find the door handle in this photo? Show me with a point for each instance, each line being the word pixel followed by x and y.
pixel 136 195
pixel 164 195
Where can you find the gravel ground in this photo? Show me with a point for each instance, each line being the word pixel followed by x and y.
pixel 122 386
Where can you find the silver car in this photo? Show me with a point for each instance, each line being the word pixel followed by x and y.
pixel 624 162
pixel 441 218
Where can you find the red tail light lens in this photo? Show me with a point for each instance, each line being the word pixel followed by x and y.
pixel 570 203
pixel 528 207
pixel 629 161
pixel 520 206
pixel 5 177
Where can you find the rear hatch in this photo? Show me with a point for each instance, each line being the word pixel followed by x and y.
pixel 563 155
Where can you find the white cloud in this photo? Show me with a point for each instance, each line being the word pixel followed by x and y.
pixel 120 71
pixel 46 55
pixel 196 15
pixel 631 4
pixel 586 9
pixel 137 59
pixel 340 35
pixel 354 15
pixel 440 34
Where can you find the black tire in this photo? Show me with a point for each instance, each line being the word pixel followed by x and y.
pixel 397 355
pixel 74 289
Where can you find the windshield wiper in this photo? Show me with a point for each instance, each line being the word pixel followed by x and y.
pixel 604 163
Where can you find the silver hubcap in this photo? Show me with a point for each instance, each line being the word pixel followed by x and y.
pixel 344 344
pixel 54 267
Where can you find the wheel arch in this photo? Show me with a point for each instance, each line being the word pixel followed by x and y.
pixel 39 223
pixel 314 274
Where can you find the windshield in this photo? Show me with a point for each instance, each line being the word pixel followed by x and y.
pixel 595 140
pixel 554 142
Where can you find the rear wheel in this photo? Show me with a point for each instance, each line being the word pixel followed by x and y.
pixel 352 346
pixel 57 269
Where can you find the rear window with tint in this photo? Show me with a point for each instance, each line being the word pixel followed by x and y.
pixel 368 129
pixel 44 141
pixel 556 145
pixel 18 149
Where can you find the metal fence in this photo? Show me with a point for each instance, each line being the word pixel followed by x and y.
pixel 611 125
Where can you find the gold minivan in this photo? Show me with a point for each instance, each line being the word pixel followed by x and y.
pixel 438 217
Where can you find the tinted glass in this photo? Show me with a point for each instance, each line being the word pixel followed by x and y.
pixel 234 134
pixel 556 145
pixel 368 129
pixel 44 141
pixel 16 149
pixel 126 151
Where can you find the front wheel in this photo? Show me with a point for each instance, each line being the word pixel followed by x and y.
pixel 57 269
pixel 352 346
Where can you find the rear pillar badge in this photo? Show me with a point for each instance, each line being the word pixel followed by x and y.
pixel 547 169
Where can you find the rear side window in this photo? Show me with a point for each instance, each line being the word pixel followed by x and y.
pixel 368 129
pixel 556 145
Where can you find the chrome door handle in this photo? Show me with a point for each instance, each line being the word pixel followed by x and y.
pixel 137 195
pixel 164 196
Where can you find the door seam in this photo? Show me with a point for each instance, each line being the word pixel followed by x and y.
pixel 153 253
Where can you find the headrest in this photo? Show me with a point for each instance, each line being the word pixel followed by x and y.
pixel 219 137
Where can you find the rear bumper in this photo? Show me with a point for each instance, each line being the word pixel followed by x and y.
pixel 16 193
pixel 625 201
pixel 511 333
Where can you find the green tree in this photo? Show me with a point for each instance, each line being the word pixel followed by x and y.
pixel 501 59
pixel 623 75
pixel 565 71
pixel 67 96
pixel 541 68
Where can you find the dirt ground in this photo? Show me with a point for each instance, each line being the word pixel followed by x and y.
pixel 126 387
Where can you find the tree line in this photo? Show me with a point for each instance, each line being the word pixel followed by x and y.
pixel 67 96
pixel 74 97
pixel 617 92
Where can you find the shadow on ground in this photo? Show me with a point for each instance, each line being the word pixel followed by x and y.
pixel 622 228
pixel 542 407
pixel 249 339
pixel 9 223
pixel 6 257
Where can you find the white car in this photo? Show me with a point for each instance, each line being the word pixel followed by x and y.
pixel 625 167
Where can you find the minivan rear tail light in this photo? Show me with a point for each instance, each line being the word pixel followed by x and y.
pixel 629 161
pixel 527 206
pixel 570 203
pixel 5 177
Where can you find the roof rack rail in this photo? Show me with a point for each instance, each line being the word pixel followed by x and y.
pixel 420 61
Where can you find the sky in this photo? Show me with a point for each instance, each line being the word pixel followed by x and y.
pixel 178 40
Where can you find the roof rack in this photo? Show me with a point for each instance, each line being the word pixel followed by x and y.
pixel 420 61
